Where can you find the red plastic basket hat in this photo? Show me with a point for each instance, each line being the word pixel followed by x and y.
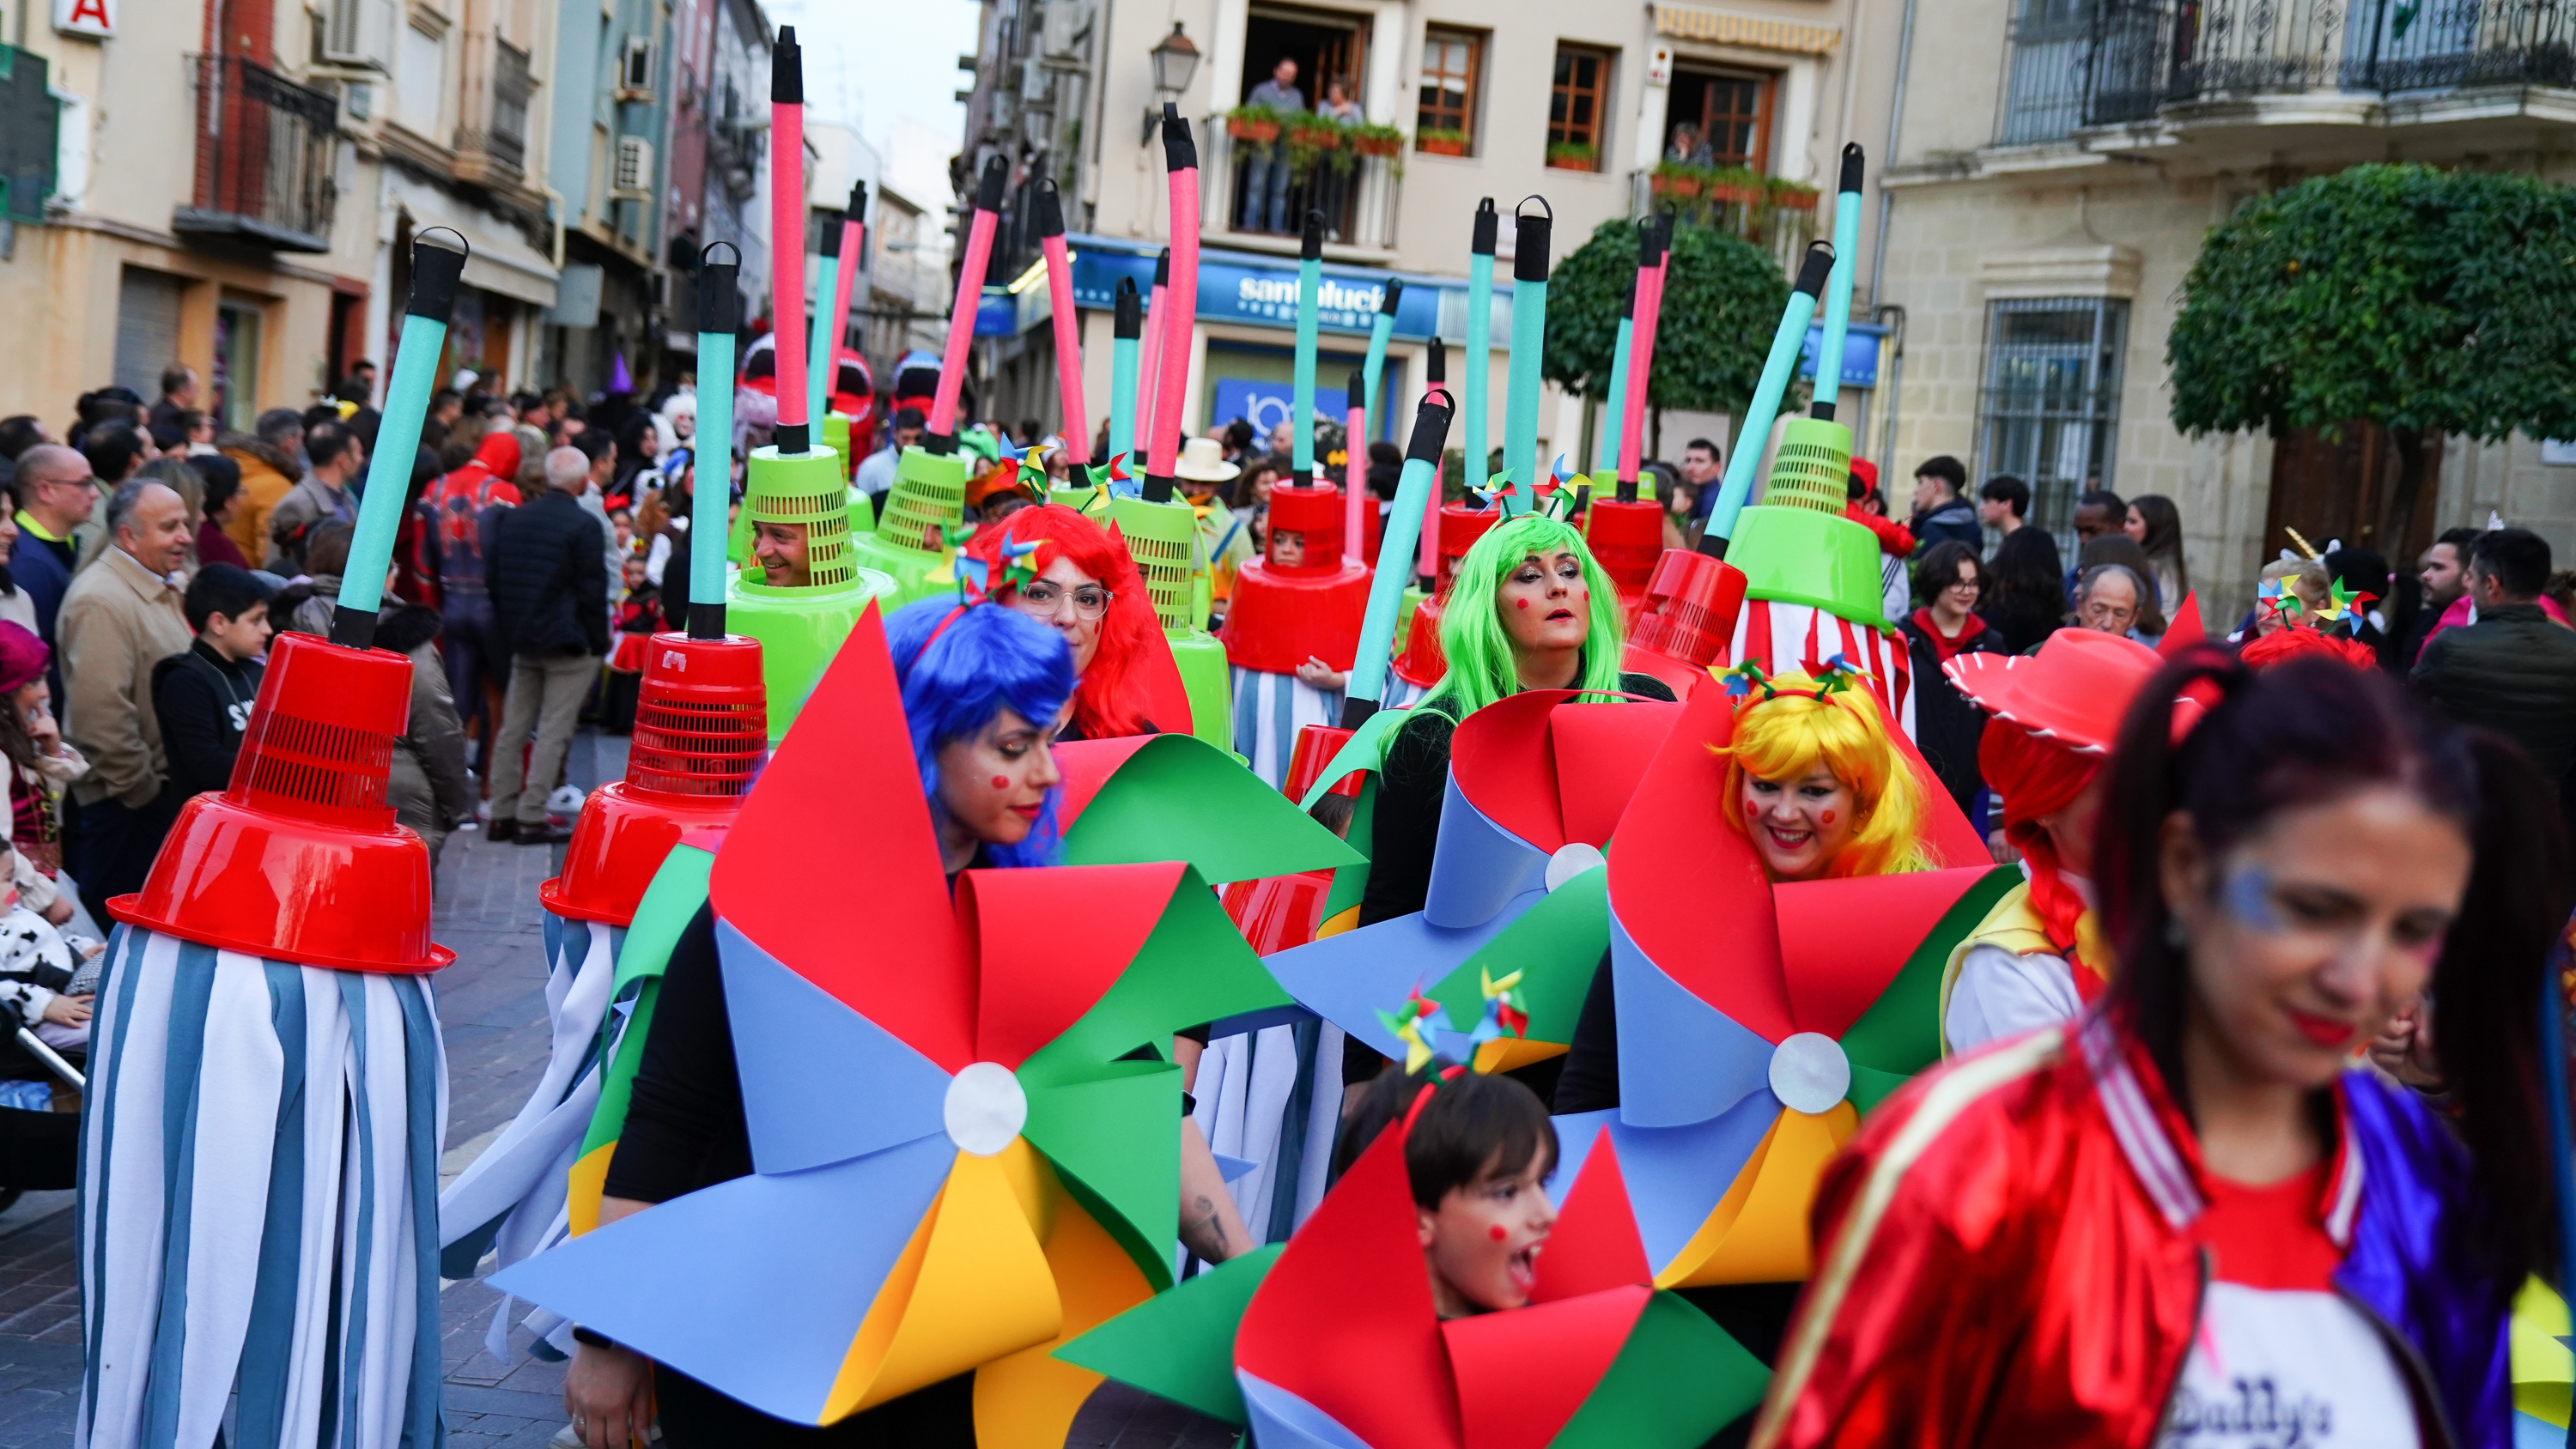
pixel 1315 513
pixel 1691 604
pixel 300 859
pixel 1316 745
pixel 701 733
pixel 2074 691
pixel 1422 662
pixel 1628 539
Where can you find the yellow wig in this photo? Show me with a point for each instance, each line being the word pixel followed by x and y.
pixel 1784 736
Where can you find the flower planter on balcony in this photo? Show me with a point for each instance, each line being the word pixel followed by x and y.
pixel 1368 145
pixel 1677 186
pixel 1794 197
pixel 1247 128
pixel 1571 161
pixel 1441 145
pixel 1728 193
pixel 1322 138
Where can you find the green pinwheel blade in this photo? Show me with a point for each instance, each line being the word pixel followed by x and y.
pixel 1195 967
pixel 1678 1380
pixel 617 1084
pixel 1870 1086
pixel 1364 750
pixel 1901 1031
pixel 1351 881
pixel 1115 1140
pixel 1556 945
pixel 1180 798
pixel 678 888
pixel 1180 1345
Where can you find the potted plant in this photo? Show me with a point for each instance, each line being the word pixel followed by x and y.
pixel 1438 142
pixel 1316 132
pixel 1738 186
pixel 1793 195
pixel 1377 140
pixel 1678 179
pixel 1257 124
pixel 1573 156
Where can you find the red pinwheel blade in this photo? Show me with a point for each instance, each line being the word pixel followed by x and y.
pixel 1523 1373
pixel 1500 759
pixel 1050 943
pixel 1673 831
pixel 1843 941
pixel 2185 630
pixel 784 877
pixel 1602 751
pixel 1087 765
pixel 1306 1328
pixel 1595 1243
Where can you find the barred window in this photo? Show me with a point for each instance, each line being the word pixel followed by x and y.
pixel 2050 409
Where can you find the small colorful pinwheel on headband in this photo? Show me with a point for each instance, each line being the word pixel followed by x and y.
pixel 1834 676
pixel 1032 477
pixel 1406 1022
pixel 1502 494
pixel 2345 601
pixel 1506 1010
pixel 975 581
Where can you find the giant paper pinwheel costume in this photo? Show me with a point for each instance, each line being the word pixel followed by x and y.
pixel 1757 1021
pixel 259 1156
pixel 1537 783
pixel 960 1159
pixel 1335 1343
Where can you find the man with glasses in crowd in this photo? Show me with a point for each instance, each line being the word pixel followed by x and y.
pixel 55 491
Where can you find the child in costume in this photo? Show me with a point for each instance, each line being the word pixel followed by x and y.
pixel 1292 627
pixel 2039 957
pixel 981 688
pixel 2189 1209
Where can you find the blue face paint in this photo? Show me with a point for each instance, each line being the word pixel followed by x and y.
pixel 2247 895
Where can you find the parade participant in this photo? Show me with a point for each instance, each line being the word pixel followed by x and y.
pixel 1815 783
pixel 2114 1232
pixel 1529 609
pixel 981 687
pixel 1087 589
pixel 2039 957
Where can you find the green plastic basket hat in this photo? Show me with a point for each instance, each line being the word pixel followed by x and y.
pixel 1797 547
pixel 1812 468
pixel 803 488
pixel 1163 539
pixel 929 495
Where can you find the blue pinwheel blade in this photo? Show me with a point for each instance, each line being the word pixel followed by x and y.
pixel 820 1083
pixel 1348 979
pixel 1282 1420
pixel 755 1286
pixel 1478 868
pixel 1681 1060
pixel 1675 1175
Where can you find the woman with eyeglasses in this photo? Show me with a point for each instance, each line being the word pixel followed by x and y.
pixel 1087 589
pixel 1947 728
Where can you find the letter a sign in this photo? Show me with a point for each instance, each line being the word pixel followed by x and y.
pixel 85 17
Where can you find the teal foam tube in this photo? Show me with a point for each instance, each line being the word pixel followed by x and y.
pixel 1755 435
pixel 818 349
pixel 435 270
pixel 1529 339
pixel 1838 287
pixel 711 490
pixel 1310 292
pixel 1414 489
pixel 1381 328
pixel 1127 332
pixel 1479 362
pixel 1615 412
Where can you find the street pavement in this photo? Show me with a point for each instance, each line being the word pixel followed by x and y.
pixel 492 1012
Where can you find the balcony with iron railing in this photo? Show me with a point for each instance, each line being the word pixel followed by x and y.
pixel 264 149
pixel 1356 189
pixel 1777 216
pixel 2206 66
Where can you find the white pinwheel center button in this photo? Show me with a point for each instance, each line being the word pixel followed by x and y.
pixel 1809 1073
pixel 985 1108
pixel 1571 861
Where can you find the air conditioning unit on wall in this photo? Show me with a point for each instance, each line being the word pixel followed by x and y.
pixel 633 178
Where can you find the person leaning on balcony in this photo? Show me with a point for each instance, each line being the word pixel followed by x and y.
pixel 1689 148
pixel 1265 182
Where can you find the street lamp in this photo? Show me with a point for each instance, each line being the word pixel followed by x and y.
pixel 1176 59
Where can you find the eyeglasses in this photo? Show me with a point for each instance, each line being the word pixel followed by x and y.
pixel 1971 585
pixel 1046 600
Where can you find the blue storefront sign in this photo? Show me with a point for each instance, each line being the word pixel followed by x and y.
pixel 1246 287
pixel 1266 405
pixel 1860 353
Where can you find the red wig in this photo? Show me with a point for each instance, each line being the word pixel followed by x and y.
pixel 1114 693
pixel 2296 642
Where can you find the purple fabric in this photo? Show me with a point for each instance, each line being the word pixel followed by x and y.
pixel 2407 1262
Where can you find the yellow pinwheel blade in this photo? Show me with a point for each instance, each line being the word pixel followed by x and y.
pixel 2543 1368
pixel 1757 1233
pixel 1028 1400
pixel 1511 1053
pixel 587 1181
pixel 972 1285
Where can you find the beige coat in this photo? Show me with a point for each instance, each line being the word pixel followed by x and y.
pixel 117 621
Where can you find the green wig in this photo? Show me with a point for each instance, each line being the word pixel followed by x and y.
pixel 1472 639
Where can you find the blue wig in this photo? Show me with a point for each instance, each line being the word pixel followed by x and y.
pixel 989 658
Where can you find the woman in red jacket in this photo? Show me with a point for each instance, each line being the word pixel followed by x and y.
pixel 2185 1219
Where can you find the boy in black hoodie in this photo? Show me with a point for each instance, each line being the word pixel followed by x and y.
pixel 203 697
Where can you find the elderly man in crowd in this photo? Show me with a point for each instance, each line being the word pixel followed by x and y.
pixel 2106 600
pixel 123 615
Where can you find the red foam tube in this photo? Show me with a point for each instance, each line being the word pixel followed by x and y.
pixel 1068 351
pixel 1172 368
pixel 1641 361
pixel 1355 480
pixel 961 322
pixel 853 233
pixel 787 256
pixel 1149 352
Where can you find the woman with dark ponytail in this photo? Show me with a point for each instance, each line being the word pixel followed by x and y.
pixel 2187 1207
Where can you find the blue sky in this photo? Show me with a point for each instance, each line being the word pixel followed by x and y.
pixel 871 62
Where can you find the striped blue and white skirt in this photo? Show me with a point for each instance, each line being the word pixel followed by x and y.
pixel 510 1203
pixel 1269 709
pixel 1273 1098
pixel 258 1217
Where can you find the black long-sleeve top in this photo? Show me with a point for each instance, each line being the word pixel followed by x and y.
pixel 1590 1080
pixel 202 701
pixel 684 1124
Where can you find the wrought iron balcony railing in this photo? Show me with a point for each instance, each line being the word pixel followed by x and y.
pixel 264 148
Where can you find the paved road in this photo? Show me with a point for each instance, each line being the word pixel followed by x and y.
pixel 492 1010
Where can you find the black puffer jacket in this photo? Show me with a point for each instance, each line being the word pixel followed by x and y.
pixel 2514 672
pixel 1947 728
pixel 549 587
